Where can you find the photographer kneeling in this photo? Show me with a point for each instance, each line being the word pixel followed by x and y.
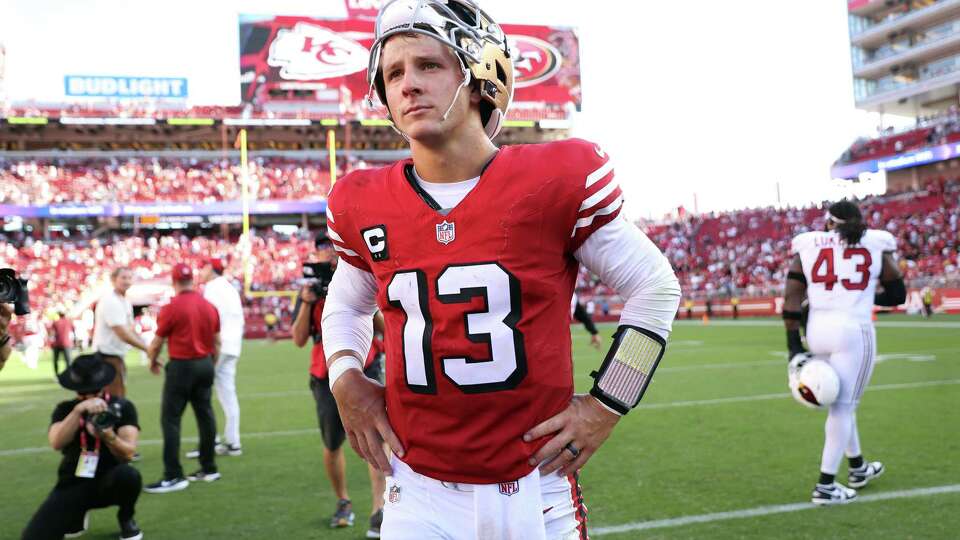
pixel 97 435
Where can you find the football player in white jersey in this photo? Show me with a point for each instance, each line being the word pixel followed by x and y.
pixel 838 271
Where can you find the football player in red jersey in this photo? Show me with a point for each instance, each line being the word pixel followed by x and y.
pixel 471 253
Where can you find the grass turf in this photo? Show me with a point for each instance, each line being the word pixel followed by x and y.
pixel 715 433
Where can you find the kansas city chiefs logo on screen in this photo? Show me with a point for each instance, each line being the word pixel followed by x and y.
pixel 308 52
pixel 534 60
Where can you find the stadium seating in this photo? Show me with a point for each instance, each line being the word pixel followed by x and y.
pixel 743 253
pixel 746 253
pixel 932 131
pixel 135 180
pixel 64 274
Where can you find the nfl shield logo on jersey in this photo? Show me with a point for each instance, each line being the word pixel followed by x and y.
pixel 509 488
pixel 446 232
pixel 394 496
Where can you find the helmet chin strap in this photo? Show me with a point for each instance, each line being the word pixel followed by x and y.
pixel 466 81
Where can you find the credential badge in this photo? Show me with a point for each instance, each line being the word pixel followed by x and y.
pixel 446 232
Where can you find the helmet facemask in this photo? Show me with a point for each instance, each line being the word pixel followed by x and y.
pixel 479 44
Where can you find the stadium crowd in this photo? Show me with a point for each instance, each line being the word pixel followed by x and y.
pixel 167 180
pixel 742 253
pixel 928 131
pixel 68 275
pixel 745 253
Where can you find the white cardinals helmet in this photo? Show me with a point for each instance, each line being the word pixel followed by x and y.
pixel 813 383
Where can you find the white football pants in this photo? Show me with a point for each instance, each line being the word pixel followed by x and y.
pixel 850 347
pixel 226 388
pixel 417 507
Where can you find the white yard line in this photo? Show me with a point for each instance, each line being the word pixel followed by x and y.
pixel 665 405
pixel 767 510
pixel 727 365
pixel 764 397
pixel 768 322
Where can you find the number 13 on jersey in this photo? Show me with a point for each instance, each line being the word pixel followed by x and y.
pixel 496 326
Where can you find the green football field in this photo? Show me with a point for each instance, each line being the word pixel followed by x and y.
pixel 717 448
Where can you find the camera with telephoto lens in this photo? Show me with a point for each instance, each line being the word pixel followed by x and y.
pixel 13 290
pixel 108 418
pixel 318 276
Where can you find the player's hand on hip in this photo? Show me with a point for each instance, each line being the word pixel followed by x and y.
pixel 578 431
pixel 363 412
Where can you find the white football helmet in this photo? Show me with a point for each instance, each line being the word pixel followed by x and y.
pixel 813 383
pixel 477 40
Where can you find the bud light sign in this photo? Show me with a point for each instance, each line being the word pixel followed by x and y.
pixel 125 87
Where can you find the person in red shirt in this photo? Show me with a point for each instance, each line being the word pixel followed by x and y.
pixel 62 339
pixel 191 326
pixel 306 327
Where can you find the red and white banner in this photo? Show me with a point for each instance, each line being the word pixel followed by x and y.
pixel 363 9
pixel 301 58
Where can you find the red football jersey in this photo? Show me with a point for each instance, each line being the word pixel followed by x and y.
pixel 476 302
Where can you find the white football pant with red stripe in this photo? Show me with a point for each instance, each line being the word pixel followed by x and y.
pixel 850 347
pixel 417 507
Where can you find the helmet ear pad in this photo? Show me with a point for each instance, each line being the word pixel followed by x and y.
pixel 493 77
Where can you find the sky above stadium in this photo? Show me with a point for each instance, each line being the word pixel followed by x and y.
pixel 701 104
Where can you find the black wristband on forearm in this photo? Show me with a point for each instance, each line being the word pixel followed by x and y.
pixel 798 276
pixel 794 343
pixel 792 315
pixel 894 293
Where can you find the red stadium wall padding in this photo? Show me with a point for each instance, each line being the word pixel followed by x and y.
pixel 945 300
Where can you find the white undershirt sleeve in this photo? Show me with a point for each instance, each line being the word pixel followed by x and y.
pixel 628 262
pixel 347 322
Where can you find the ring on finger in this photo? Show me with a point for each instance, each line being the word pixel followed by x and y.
pixel 572 449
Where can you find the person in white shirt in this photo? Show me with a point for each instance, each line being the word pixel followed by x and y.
pixel 113 332
pixel 219 292
pixel 34 336
pixel 147 327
